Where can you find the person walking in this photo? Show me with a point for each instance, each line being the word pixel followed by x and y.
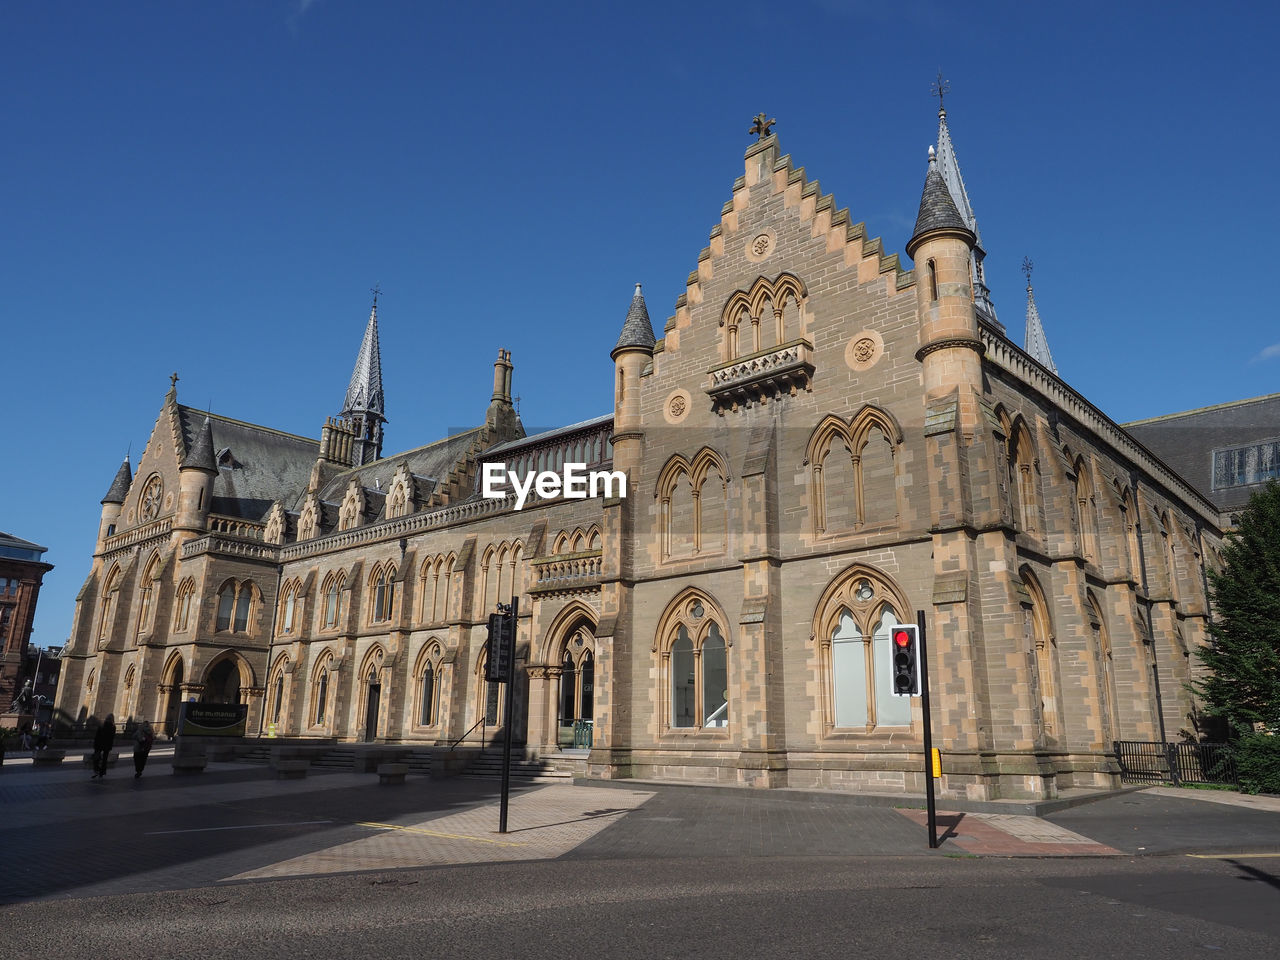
pixel 143 738
pixel 103 741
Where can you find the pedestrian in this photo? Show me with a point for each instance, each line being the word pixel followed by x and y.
pixel 26 736
pixel 103 741
pixel 143 738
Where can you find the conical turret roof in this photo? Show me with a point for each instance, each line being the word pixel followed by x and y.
pixel 637 331
pixel 200 456
pixel 120 485
pixel 937 209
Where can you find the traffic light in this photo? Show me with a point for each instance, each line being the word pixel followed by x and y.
pixel 498 646
pixel 905 641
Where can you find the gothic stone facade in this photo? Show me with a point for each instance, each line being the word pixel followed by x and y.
pixel 820 443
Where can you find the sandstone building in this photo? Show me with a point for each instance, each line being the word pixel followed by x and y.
pixel 820 443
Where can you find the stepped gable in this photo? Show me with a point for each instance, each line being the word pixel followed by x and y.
pixel 861 250
pixel 256 465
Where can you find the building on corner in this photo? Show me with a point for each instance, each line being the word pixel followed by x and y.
pixel 818 443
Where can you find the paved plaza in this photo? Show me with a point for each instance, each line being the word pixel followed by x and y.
pixel 66 835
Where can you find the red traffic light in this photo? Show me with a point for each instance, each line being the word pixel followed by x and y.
pixel 901 638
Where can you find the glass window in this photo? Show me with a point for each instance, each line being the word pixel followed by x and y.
pixel 715 680
pixel 849 673
pixel 331 605
pixel 226 604
pixel 683 681
pixel 322 695
pixel 891 710
pixel 244 594
pixel 427 710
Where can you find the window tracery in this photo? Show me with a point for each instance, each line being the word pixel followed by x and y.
pixel 692 647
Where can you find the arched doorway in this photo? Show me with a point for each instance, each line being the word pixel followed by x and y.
pixel 373 704
pixel 174 703
pixel 576 703
pixel 223 683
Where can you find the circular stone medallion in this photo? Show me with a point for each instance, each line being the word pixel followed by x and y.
pixel 676 407
pixel 864 350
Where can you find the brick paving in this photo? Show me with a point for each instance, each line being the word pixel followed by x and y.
pixel 1004 835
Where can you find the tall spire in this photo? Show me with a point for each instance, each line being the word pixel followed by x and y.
pixel 949 167
pixel 364 402
pixel 1036 344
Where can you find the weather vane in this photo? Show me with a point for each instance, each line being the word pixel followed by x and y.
pixel 1027 266
pixel 760 126
pixel 376 290
pixel 940 88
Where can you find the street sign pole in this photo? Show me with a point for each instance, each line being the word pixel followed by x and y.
pixel 928 733
pixel 509 641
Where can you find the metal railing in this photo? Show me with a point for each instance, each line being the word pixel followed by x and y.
pixel 1153 762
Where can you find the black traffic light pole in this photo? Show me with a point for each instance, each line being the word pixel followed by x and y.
pixel 928 733
pixel 509 641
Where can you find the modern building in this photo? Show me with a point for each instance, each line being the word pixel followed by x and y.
pixel 1226 451
pixel 22 571
pixel 819 444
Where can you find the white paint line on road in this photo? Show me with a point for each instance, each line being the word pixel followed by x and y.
pixel 248 826
pixel 1233 856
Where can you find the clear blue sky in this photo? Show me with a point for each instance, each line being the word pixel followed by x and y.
pixel 213 187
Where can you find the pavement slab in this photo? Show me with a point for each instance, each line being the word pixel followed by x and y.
pixel 542 823
pixel 1002 835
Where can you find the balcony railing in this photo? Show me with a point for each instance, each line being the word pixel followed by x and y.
pixel 765 375
pixel 567 573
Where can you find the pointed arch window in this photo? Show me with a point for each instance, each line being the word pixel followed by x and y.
pixel 331 606
pixel 146 601
pixel 693 497
pixel 107 606
pixel 429 684
pixel 695 666
pixel 235 603
pixel 384 587
pixel 853 472
pixel 852 627
pixel 290 604
pixel 1086 511
pixel 320 691
pixel 182 611
pixel 1038 634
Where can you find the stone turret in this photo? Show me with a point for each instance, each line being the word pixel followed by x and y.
pixel 195 483
pixel 113 502
pixel 633 351
pixel 950 348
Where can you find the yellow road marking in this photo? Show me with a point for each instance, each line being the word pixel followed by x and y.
pixel 1232 856
pixel 434 833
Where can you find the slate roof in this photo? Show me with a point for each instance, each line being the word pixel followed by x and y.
pixel 119 488
pixel 637 331
pixel 937 209
pixel 256 465
pixel 430 465
pixel 200 456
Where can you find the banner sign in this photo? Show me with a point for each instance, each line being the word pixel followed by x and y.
pixel 213 719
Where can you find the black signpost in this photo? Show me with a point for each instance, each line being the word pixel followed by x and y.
pixel 928 732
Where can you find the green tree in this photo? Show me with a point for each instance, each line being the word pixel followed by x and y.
pixel 1242 679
